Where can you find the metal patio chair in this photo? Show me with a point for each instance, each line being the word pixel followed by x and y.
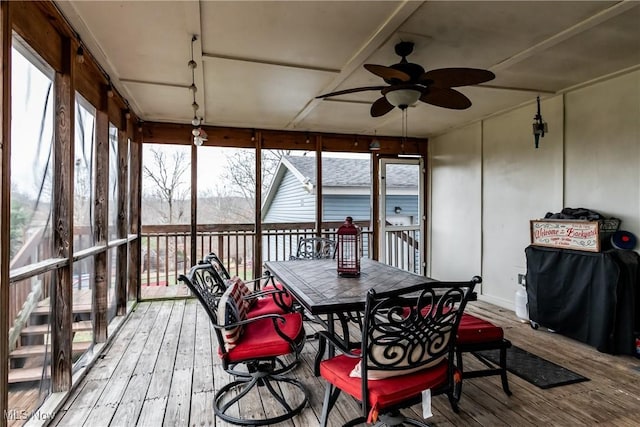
pixel 315 248
pixel 407 346
pixel 255 351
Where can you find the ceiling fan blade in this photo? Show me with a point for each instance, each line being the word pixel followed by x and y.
pixel 357 89
pixel 388 73
pixel 453 77
pixel 380 107
pixel 446 98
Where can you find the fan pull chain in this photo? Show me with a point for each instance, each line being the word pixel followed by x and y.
pixel 404 125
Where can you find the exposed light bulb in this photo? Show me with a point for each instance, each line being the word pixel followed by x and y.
pixel 193 88
pixel 196 132
pixel 80 55
pixel 195 106
pixel 196 121
pixel 198 140
pixel 192 64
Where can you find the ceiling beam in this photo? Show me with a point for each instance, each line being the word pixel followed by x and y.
pixel 566 34
pixel 386 29
pixel 172 133
pixel 274 63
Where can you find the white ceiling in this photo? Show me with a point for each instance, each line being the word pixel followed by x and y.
pixel 262 63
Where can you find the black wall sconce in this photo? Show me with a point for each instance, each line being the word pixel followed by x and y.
pixel 539 126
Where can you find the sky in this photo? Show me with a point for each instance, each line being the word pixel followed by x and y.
pixel 29 89
pixel 30 149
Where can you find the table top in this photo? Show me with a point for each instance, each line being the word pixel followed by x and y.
pixel 317 286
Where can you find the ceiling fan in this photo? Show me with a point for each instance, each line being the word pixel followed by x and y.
pixel 408 83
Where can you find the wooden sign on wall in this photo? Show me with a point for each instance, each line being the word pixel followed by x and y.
pixel 566 234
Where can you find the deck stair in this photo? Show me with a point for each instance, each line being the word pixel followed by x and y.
pixel 26 361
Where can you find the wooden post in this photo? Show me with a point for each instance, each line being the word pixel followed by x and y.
pixel 375 206
pixel 424 152
pixel 257 246
pixel 5 205
pixel 319 185
pixel 122 221
pixel 194 204
pixel 101 228
pixel 135 201
pixel 63 167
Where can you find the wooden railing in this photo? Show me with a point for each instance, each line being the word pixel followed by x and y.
pixel 166 253
pixel 26 293
pixel 166 248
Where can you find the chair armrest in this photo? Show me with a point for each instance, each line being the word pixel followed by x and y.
pixel 267 277
pixel 279 296
pixel 275 318
pixel 346 349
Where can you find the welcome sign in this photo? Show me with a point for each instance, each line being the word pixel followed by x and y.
pixel 566 234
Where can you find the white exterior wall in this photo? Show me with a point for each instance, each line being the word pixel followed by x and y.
pixel 487 180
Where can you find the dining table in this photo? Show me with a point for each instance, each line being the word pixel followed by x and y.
pixel 316 285
pixel 327 296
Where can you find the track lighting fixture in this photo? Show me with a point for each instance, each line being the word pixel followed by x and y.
pixel 199 135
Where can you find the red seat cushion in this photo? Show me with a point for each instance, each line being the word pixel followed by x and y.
pixel 382 392
pixel 263 306
pixel 287 299
pixel 475 330
pixel 260 339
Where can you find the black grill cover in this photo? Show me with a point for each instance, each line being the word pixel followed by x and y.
pixel 591 297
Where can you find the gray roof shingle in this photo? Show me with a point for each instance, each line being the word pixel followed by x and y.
pixel 345 172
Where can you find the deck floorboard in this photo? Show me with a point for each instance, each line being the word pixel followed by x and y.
pixel 162 369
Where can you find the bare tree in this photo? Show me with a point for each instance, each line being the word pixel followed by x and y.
pixel 166 175
pixel 240 171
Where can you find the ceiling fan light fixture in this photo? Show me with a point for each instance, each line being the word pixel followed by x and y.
pixel 403 98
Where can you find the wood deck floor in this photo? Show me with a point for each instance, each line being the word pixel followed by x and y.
pixel 159 370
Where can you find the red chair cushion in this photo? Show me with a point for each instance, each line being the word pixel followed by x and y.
pixel 286 299
pixel 263 306
pixel 382 392
pixel 260 339
pixel 475 330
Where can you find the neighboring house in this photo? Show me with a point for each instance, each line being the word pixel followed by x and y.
pixel 346 191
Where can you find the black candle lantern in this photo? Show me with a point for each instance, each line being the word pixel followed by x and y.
pixel 349 249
